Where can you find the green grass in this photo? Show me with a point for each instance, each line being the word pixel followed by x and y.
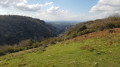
pixel 94 52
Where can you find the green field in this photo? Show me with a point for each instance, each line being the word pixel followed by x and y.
pixel 94 50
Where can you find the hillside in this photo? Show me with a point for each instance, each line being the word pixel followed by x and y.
pixel 14 29
pixel 85 28
pixel 97 49
pixel 92 26
pixel 87 44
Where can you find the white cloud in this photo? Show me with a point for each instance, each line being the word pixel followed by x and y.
pixel 8 3
pixel 45 11
pixel 20 4
pixel 26 7
pixel 53 10
pixel 107 6
pixel 48 3
pixel 48 10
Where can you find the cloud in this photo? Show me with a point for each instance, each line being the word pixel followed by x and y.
pixel 49 11
pixel 48 3
pixel 46 11
pixel 107 6
pixel 53 10
pixel 8 3
pixel 20 4
pixel 26 7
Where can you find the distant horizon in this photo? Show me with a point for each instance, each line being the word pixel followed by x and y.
pixel 62 21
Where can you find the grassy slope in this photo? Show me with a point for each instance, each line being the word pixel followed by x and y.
pixel 98 49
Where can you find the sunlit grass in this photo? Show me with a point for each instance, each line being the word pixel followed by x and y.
pixel 101 51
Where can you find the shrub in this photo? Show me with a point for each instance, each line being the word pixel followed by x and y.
pixel 2 53
pixel 82 28
pixel 86 31
pixel 111 31
pixel 23 45
pixel 117 24
pixel 110 25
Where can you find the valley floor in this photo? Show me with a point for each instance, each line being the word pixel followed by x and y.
pixel 98 49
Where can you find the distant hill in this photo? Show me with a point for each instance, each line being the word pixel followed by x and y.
pixel 16 28
pixel 62 25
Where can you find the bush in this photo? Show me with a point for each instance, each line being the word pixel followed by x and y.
pixel 86 31
pixel 110 25
pixel 82 28
pixel 2 53
pixel 23 45
pixel 116 24
pixel 111 31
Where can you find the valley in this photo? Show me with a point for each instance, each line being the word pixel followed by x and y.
pixel 88 44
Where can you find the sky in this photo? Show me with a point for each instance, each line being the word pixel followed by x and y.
pixel 61 10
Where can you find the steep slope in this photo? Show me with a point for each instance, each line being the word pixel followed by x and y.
pixel 97 49
pixel 92 26
pixel 14 28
